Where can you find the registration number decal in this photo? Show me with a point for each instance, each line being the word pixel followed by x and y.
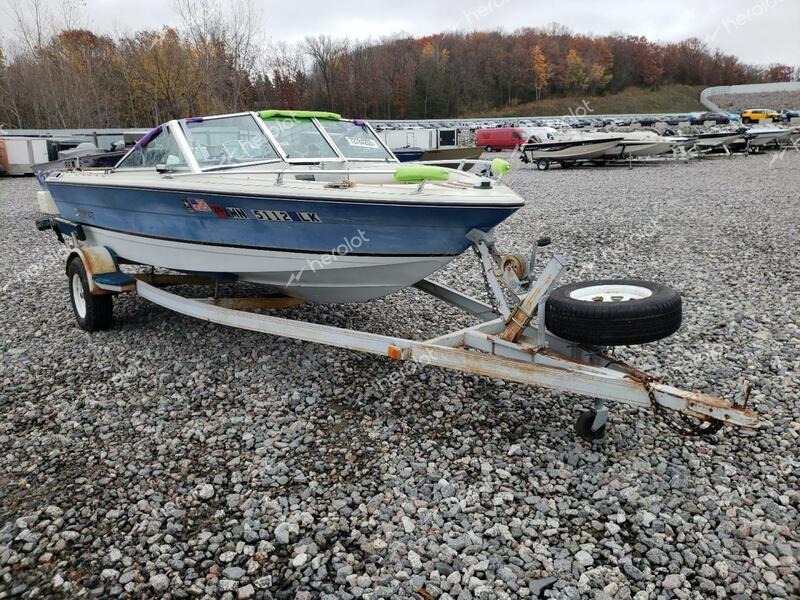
pixel 271 215
pixel 234 212
pixel 282 215
pixel 86 214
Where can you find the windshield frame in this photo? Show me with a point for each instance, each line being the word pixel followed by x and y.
pixel 340 156
pixel 391 158
pixel 270 141
pixel 177 131
pixel 171 128
pixel 176 127
pixel 308 159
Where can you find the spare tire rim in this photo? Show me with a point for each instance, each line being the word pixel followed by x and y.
pixel 610 292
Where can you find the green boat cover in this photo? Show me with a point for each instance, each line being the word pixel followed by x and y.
pixel 420 173
pixel 299 114
pixel 500 166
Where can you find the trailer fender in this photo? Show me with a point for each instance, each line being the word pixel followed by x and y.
pixel 96 260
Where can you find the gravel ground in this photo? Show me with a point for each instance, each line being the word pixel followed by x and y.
pixel 773 100
pixel 174 458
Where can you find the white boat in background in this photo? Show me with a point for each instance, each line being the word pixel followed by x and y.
pixel 763 135
pixel 565 147
pixel 715 139
pixel 568 147
pixel 640 144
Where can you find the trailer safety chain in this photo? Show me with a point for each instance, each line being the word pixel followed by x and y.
pixel 687 426
pixel 684 425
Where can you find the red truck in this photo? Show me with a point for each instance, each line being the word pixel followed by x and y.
pixel 500 138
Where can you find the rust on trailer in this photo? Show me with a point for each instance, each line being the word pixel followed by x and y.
pixel 256 303
pixel 160 279
pixel 96 261
pixel 395 353
pixel 527 309
pixel 701 406
pixel 565 374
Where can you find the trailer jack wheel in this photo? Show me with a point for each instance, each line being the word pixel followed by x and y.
pixel 588 429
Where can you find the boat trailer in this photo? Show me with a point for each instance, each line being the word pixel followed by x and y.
pixel 511 342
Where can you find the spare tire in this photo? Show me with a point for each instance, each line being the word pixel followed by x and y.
pixel 613 312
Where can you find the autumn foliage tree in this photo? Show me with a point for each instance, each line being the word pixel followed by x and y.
pixel 57 74
pixel 778 72
pixel 541 71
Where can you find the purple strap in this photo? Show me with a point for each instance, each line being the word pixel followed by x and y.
pixel 149 136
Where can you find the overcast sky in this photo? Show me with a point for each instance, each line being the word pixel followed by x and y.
pixel 757 31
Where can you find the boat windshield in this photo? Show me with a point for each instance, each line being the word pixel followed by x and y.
pixel 227 141
pixel 355 140
pixel 157 147
pixel 299 138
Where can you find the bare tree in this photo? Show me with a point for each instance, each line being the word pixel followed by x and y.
pixel 325 52
pixel 72 13
pixel 229 43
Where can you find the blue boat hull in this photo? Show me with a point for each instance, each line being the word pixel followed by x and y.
pixel 318 250
pixel 273 223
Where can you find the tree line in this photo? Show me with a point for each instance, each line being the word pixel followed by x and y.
pixel 65 76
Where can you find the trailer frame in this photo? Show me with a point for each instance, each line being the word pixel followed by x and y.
pixel 511 341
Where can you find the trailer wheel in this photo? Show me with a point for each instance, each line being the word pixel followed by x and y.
pixel 93 312
pixel 583 426
pixel 613 312
pixel 489 149
pixel 543 164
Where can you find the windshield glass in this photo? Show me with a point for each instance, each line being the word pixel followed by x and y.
pixel 299 138
pixel 227 141
pixel 355 140
pixel 156 148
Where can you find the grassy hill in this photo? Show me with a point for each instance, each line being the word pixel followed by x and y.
pixel 668 98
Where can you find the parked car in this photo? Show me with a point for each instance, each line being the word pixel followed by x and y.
pixel 647 121
pixel 759 114
pixel 788 115
pixel 494 139
pixel 716 117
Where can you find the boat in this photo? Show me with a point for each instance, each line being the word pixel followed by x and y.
pixel 715 139
pixel 764 135
pixel 640 144
pixel 568 147
pixel 312 205
pixel 453 157
pixel 408 153
pixel 79 160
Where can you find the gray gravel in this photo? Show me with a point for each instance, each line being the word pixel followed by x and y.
pixel 174 458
